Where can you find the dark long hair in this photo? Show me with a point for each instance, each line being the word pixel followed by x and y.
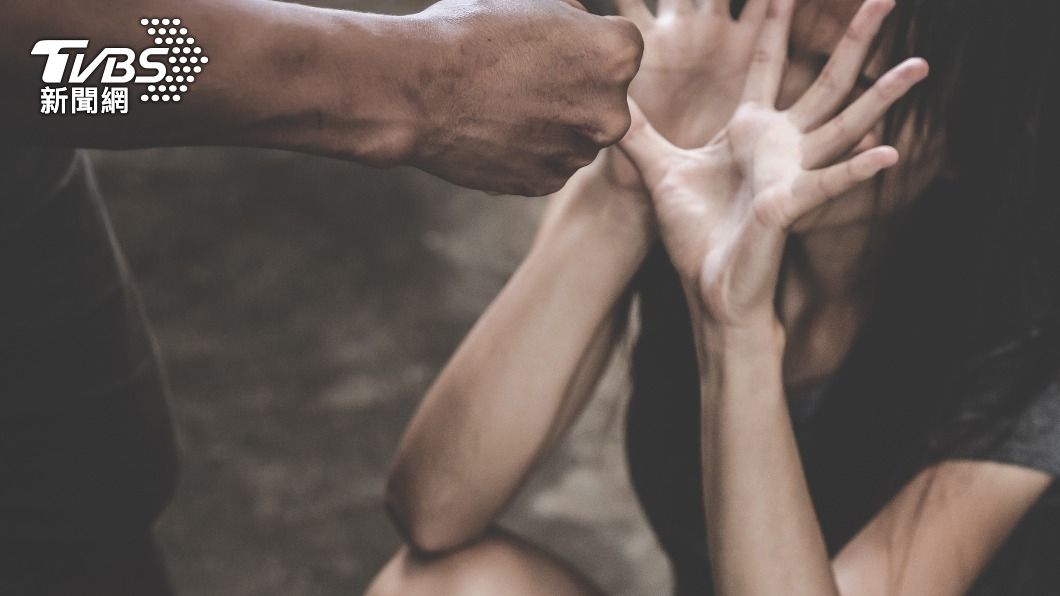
pixel 969 270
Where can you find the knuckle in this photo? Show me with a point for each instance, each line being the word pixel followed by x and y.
pixel 620 125
pixel 842 124
pixel 613 132
pixel 888 86
pixel 595 135
pixel 894 84
pixel 855 35
pixel 828 80
pixel 627 34
pixel 625 47
pixel 608 132
pixel 761 56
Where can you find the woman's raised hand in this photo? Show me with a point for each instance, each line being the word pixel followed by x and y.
pixel 693 70
pixel 695 62
pixel 724 210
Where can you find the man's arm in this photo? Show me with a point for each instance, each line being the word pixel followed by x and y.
pixel 505 96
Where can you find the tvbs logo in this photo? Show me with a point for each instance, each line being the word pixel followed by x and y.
pixel 119 64
pixel 168 68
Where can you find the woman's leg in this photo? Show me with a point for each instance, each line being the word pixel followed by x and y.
pixel 498 565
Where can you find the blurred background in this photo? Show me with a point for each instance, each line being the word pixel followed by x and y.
pixel 303 306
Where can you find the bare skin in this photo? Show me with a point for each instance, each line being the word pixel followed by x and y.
pixel 432 90
pixel 775 168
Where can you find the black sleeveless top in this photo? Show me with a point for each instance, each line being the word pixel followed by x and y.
pixel 989 422
pixel 86 446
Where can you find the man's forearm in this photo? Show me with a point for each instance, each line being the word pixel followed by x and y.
pixel 279 75
pixel 502 95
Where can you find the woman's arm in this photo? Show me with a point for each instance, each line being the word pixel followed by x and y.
pixel 933 539
pixel 764 535
pixel 937 535
pixel 525 370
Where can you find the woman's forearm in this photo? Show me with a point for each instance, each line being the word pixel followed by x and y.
pixel 523 372
pixel 764 535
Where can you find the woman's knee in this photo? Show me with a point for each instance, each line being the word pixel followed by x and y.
pixel 497 564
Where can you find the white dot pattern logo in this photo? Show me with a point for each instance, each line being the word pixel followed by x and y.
pixel 184 58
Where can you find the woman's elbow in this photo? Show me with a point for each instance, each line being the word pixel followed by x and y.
pixel 427 525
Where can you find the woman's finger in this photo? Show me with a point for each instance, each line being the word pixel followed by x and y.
pixel 843 132
pixel 837 79
pixel 646 148
pixel 671 7
pixel 636 11
pixel 813 189
pixel 753 12
pixel 770 55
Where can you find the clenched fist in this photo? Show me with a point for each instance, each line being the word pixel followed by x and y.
pixel 530 91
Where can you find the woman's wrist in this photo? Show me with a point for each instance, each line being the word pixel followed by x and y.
pixel 755 338
pixel 618 172
pixel 593 199
pixel 743 362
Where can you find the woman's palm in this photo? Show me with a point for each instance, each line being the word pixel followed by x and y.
pixel 694 66
pixel 724 210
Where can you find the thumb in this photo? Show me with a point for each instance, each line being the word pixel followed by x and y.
pixel 646 148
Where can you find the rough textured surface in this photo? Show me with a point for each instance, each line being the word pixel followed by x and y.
pixel 303 306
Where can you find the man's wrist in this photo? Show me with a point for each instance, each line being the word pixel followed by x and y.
pixel 346 84
pixel 404 57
